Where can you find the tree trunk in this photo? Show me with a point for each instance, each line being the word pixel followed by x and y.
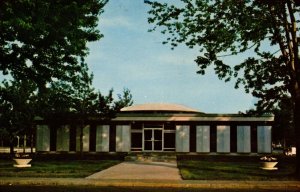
pixel 81 126
pixel 24 143
pixel 31 143
pixel 81 141
pixel 297 133
pixel 11 146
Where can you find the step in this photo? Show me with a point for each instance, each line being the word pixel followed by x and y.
pixel 151 158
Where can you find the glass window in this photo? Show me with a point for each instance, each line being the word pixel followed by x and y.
pixel 137 140
pixel 169 140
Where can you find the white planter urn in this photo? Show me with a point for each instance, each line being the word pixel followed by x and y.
pixel 20 163
pixel 268 163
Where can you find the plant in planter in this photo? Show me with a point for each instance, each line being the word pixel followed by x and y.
pixel 22 160
pixel 268 163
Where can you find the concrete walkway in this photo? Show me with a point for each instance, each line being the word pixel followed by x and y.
pixel 140 170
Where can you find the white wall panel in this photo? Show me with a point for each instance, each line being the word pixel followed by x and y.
pixel 264 139
pixel 243 139
pixel 123 138
pixel 42 138
pixel 63 138
pixel 182 138
pixel 203 138
pixel 102 138
pixel 223 139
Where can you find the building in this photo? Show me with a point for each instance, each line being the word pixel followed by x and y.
pixel 161 128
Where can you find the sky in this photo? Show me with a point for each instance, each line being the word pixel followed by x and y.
pixel 131 57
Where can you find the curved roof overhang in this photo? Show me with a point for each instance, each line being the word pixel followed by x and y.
pixel 159 107
pixel 175 112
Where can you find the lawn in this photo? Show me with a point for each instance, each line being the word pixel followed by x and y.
pixel 200 168
pixel 234 169
pixel 55 168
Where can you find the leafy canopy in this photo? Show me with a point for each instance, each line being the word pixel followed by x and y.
pixel 80 101
pixel 221 28
pixel 18 106
pixel 46 40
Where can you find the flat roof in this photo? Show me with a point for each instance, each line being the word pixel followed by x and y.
pixel 189 117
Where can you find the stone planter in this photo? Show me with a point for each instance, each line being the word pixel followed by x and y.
pixel 269 165
pixel 20 163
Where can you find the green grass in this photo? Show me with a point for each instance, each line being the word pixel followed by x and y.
pixel 210 169
pixel 202 168
pixel 52 168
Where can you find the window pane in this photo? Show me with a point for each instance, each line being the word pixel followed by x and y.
pixel 148 134
pixel 148 145
pixel 157 134
pixel 157 146
pixel 169 140
pixel 136 140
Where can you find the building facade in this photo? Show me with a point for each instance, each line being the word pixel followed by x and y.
pixel 161 128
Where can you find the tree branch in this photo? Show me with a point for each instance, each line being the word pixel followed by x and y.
pixel 277 35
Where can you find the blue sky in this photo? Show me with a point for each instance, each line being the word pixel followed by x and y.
pixel 130 57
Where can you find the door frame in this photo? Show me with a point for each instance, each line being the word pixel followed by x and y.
pixel 153 139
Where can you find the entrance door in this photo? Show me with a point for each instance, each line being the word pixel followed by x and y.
pixel 153 139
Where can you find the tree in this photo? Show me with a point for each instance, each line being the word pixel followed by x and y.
pixel 17 109
pixel 108 107
pixel 88 104
pixel 78 101
pixel 268 29
pixel 83 102
pixel 124 100
pixel 283 130
pixel 46 40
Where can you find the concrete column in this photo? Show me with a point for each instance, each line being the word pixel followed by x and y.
pixel 264 139
pixel 182 138
pixel 63 138
pixel 123 138
pixel 243 139
pixel 102 138
pixel 223 139
pixel 203 138
pixel 42 138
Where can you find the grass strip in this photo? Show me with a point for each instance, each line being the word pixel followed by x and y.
pixel 52 168
pixel 220 170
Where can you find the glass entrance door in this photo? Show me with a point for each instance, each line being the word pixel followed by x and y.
pixel 153 139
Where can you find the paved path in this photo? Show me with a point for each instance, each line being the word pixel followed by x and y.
pixel 140 170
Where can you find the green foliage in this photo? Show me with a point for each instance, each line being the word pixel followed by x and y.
pixel 17 106
pixel 43 45
pixel 46 40
pixel 266 29
pixel 108 107
pixel 227 28
pixel 283 129
pixel 20 103
pixel 80 101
